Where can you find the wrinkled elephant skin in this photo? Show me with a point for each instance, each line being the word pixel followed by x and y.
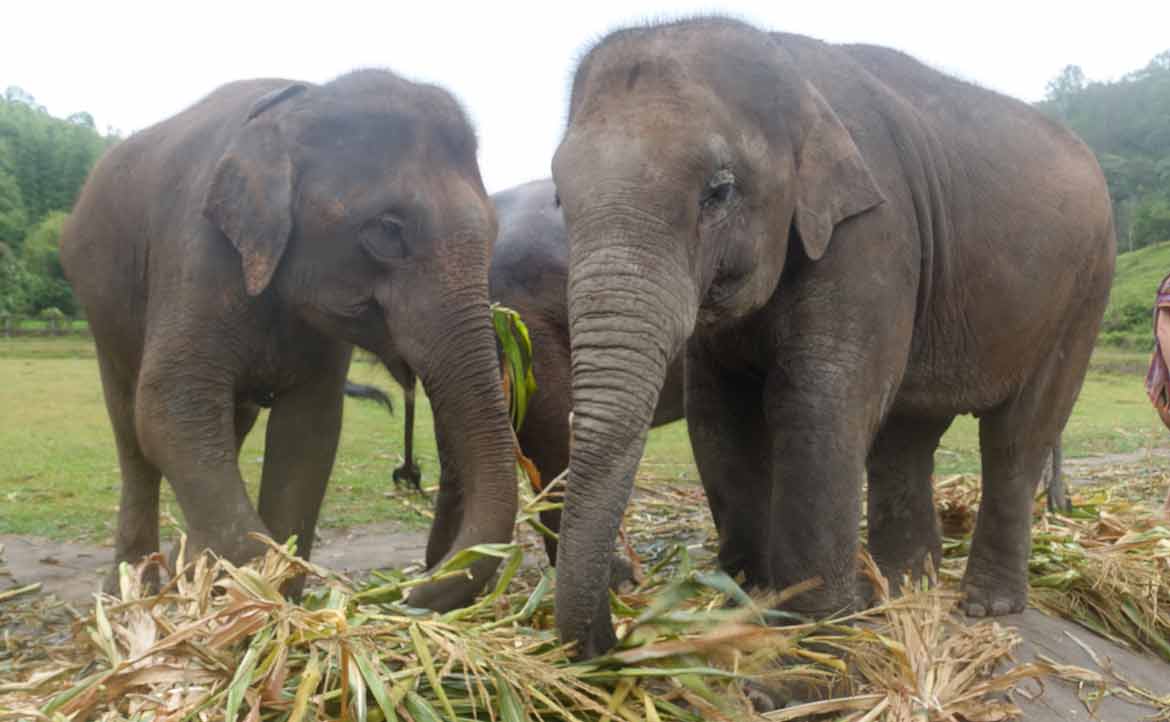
pixel 851 249
pixel 229 257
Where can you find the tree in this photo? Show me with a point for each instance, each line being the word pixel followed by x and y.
pixel 40 253
pixel 13 218
pixel 85 120
pixel 1127 124
pixel 15 281
pixel 1068 83
pixel 1151 221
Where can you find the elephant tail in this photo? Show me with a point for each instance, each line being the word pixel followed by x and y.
pixel 369 393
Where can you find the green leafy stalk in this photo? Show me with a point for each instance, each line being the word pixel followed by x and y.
pixel 517 349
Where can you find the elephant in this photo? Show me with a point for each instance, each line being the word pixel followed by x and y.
pixel 528 274
pixel 850 248
pixel 528 271
pixel 529 267
pixel 231 256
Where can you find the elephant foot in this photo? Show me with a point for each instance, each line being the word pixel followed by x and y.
pixel 621 575
pixel 238 550
pixel 906 572
pixel 408 474
pixel 112 583
pixel 762 698
pixel 988 595
pixel 819 603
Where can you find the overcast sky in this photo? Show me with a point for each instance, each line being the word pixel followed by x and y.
pixel 133 63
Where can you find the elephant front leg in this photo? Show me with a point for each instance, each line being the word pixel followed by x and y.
pixel 903 525
pixel 819 444
pixel 187 430
pixel 301 443
pixel 732 450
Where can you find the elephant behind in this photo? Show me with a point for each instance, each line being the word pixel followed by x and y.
pixel 851 249
pixel 529 269
pixel 229 257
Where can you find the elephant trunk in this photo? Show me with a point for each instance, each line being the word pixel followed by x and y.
pixel 462 379
pixel 630 312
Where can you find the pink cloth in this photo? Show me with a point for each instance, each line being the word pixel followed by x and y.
pixel 1158 377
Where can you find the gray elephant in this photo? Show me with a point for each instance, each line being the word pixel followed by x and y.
pixel 529 268
pixel 528 272
pixel 852 248
pixel 228 257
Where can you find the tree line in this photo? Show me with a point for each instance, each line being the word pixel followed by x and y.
pixel 44 162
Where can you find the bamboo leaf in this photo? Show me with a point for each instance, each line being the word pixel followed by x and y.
pixel 421 710
pixel 243 677
pixel 510 708
pixel 308 684
pixel 375 682
pixel 428 665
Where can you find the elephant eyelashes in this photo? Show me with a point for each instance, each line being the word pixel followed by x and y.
pixel 384 239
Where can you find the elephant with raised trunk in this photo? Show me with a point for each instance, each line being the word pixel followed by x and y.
pixel 851 248
pixel 228 258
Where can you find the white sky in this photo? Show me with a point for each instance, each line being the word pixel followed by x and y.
pixel 133 63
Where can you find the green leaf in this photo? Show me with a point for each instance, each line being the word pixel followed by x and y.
pixel 421 710
pixel 516 345
pixel 428 665
pixel 243 677
pixel 310 678
pixel 510 708
pixel 511 566
pixel 375 682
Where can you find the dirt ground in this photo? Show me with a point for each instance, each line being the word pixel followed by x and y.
pixel 73 572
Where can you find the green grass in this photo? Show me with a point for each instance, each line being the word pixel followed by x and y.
pixel 59 474
pixel 1127 319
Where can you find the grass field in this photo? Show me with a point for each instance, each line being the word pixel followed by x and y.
pixel 1127 319
pixel 59 475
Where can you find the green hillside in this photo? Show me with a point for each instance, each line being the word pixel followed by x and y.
pixel 1128 318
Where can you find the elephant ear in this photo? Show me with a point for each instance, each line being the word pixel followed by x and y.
pixel 250 196
pixel 833 181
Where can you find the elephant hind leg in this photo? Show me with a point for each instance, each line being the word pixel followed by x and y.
pixel 1016 441
pixel 903 526
pixel 137 534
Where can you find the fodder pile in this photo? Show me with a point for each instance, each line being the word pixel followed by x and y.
pixel 220 642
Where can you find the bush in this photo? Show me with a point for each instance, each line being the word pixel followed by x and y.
pixel 1129 317
pixel 41 254
pixel 1151 221
pixel 15 282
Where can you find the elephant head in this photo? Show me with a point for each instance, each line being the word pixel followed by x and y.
pixel 695 164
pixel 358 206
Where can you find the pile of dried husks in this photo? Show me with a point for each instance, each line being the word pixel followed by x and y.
pixel 221 643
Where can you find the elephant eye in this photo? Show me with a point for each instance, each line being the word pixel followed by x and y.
pixel 719 190
pixel 384 238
